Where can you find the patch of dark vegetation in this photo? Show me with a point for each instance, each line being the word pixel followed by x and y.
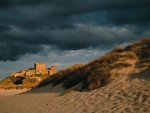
pixel 30 80
pixel 96 73
pixel 7 81
pixel 120 65
pixel 62 76
pixel 18 82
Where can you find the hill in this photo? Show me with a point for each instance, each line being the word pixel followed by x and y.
pixel 19 82
pixel 105 69
pixel 97 73
pixel 27 78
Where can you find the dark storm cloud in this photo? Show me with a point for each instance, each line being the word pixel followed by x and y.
pixel 27 25
pixel 4 28
pixel 78 5
pixel 13 50
pixel 63 14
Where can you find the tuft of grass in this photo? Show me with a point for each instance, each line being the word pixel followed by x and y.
pixel 120 65
pixel 117 49
pixel 6 81
pixel 30 80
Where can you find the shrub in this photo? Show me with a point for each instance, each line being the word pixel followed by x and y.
pixel 120 65
pixel 117 49
pixel 30 80
pixel 73 81
pixel 6 81
pixel 61 76
pixel 96 73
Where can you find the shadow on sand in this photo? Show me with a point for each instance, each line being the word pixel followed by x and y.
pixel 144 74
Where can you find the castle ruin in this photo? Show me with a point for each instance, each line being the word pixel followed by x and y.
pixel 39 68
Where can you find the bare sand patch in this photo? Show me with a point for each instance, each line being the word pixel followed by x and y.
pixel 127 94
pixel 11 92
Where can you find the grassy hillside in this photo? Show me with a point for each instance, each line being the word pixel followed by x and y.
pixel 62 76
pixel 105 69
pixel 19 82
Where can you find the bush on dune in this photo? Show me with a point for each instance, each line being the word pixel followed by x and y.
pixel 6 81
pixel 62 76
pixel 96 73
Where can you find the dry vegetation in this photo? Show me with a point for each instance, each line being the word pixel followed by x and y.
pixel 97 73
pixel 19 83
pixel 22 82
pixel 62 76
pixel 142 50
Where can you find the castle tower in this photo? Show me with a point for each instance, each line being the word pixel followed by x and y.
pixel 40 66
pixel 52 70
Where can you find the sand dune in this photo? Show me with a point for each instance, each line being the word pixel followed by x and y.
pixel 127 94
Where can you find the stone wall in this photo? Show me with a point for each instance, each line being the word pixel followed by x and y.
pixel 52 70
pixel 30 73
pixel 39 68
pixel 21 73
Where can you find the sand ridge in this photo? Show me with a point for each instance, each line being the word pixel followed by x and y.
pixel 126 94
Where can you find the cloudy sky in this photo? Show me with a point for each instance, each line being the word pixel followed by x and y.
pixel 64 32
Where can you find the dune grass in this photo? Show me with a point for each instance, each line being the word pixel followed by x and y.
pixel 19 83
pixel 96 73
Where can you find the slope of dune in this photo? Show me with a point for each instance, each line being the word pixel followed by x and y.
pixel 129 93
pixel 103 70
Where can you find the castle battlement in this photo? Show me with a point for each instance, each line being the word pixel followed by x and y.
pixel 39 68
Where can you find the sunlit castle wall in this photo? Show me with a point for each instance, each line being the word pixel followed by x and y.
pixel 39 66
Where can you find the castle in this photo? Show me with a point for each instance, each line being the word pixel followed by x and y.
pixel 39 68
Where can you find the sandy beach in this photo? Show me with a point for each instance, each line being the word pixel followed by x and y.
pixel 11 92
pixel 126 94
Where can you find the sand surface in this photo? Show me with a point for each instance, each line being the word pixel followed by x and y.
pixel 11 92
pixel 126 94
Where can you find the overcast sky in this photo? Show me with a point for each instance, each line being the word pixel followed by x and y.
pixel 65 32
